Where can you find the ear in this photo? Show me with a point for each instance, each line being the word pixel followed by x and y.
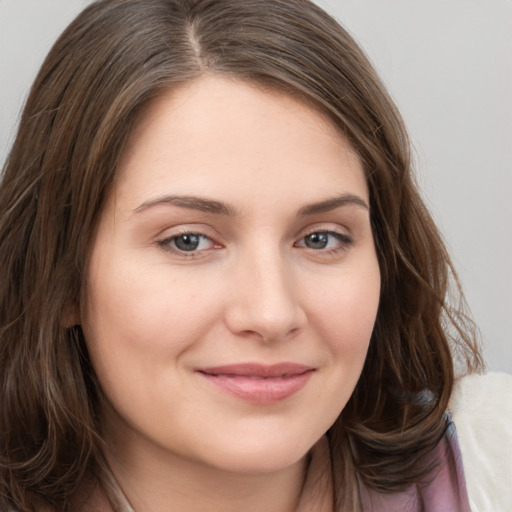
pixel 70 315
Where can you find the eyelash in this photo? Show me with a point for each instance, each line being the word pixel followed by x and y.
pixel 165 244
pixel 344 240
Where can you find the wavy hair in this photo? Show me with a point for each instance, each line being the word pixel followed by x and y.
pixel 110 62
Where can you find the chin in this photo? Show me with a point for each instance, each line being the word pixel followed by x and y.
pixel 259 456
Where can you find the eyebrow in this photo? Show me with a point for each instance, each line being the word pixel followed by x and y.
pixel 333 203
pixel 191 202
pixel 220 208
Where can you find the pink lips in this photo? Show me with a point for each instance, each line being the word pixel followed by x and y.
pixel 264 384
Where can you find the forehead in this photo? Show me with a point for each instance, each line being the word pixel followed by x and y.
pixel 218 131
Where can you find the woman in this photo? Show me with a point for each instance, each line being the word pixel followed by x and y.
pixel 222 290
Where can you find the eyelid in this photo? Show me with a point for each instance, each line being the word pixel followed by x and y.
pixel 326 227
pixel 345 241
pixel 187 229
pixel 336 234
pixel 164 241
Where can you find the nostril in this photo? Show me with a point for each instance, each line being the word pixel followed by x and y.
pixel 269 326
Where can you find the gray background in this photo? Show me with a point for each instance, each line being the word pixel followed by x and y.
pixel 447 64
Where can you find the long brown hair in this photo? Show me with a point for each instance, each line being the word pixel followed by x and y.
pixel 114 58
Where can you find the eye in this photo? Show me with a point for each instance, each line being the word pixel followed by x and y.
pixel 325 240
pixel 187 243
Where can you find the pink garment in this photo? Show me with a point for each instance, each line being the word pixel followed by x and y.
pixel 445 492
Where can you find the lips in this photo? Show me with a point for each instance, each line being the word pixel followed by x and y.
pixel 257 383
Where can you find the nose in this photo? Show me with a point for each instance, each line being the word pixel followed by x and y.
pixel 264 301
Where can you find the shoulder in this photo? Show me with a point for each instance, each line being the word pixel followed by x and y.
pixel 481 409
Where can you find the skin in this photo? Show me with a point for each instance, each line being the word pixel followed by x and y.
pixel 256 289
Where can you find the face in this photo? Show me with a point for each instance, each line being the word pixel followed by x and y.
pixel 233 283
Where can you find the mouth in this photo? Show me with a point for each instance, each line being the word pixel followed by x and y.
pixel 257 383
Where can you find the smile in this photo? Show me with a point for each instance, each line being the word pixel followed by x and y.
pixel 263 384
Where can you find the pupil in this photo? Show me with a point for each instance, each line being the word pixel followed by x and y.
pixel 317 240
pixel 187 242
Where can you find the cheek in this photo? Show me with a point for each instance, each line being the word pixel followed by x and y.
pixel 138 320
pixel 147 313
pixel 137 329
pixel 346 309
pixel 344 316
